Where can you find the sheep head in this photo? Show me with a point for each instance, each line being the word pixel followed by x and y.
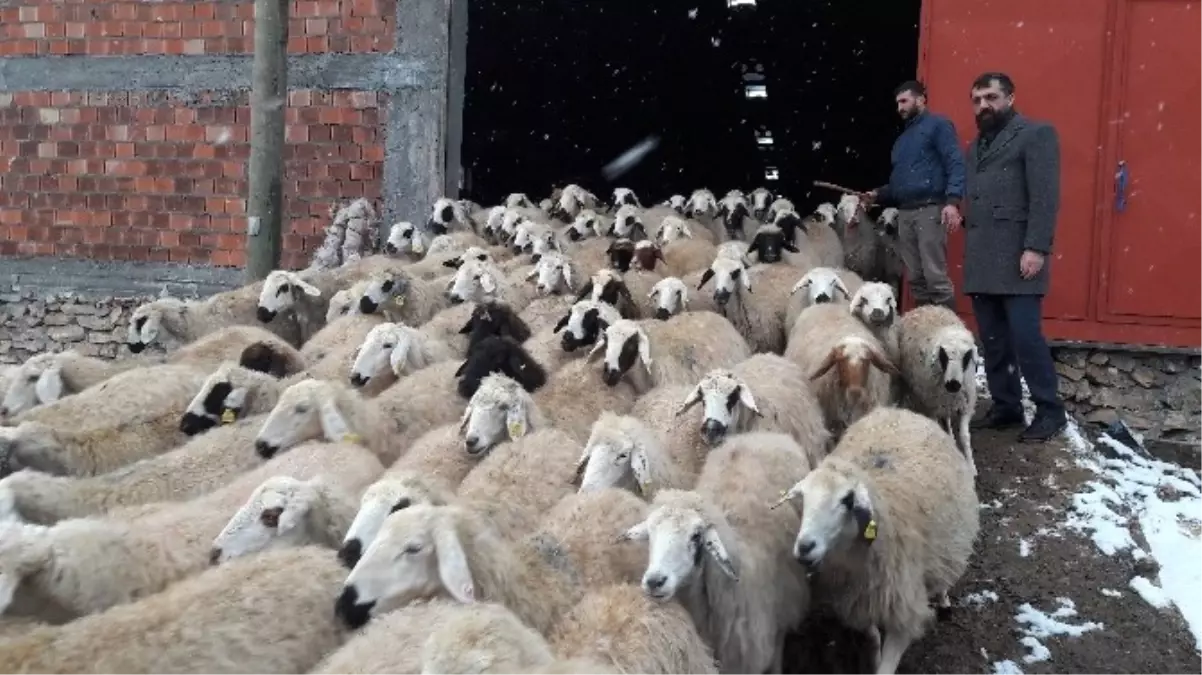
pixel 500 410
pixel 221 400
pixel 760 201
pixel 384 352
pixel 380 289
pixel 34 446
pixel 470 253
pixel 836 512
pixel 789 223
pixel 474 281
pixel 615 456
pixel 850 210
pixel 282 290
pixel 418 554
pixel 955 357
pixel 671 297
pixel 874 304
pixel 498 354
pixel 400 490
pixel 671 229
pixel 819 286
pixel 646 254
pixel 308 410
pixel 442 214
pixel 608 286
pixel 275 516
pixel 494 318
pixel 622 343
pixel 701 203
pixel 553 273
pixel 726 400
pixel 768 242
pixel 625 197
pixel 583 324
pixel 682 536
pixel 621 253
pixel 628 223
pixel 36 382
pixel 25 550
pixel 150 318
pixel 733 210
pixel 492 224
pixel 403 237
pixel 728 276
pixel 585 225
pixel 780 204
pixel 542 243
pixel 851 358
pixel 826 213
pixel 676 203
pixel 518 200
pixel 888 221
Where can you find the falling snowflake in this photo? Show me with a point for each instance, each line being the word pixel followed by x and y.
pixel 693 13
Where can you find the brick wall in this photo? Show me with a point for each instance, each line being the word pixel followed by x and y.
pixel 161 175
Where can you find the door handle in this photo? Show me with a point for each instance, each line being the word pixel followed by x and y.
pixel 1121 177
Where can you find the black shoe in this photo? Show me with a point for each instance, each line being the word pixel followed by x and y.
pixel 1043 428
pixel 998 419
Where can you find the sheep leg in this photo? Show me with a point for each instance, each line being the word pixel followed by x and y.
pixel 778 658
pixel 892 648
pixel 874 647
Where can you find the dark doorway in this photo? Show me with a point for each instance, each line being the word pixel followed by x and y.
pixel 556 89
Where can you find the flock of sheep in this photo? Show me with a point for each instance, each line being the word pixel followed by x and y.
pixel 564 437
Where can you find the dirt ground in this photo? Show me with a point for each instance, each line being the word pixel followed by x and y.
pixel 1136 638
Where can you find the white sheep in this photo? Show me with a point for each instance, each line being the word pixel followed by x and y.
pixel 764 393
pixel 889 520
pixel 202 625
pixel 477 281
pixel 555 273
pixel 821 285
pixel 759 316
pixel 875 305
pixel 232 392
pixel 761 199
pixel 101 562
pixel 938 366
pixel 624 451
pixel 484 637
pixel 736 216
pixel 393 350
pixel 199 466
pixel 676 203
pixel 184 321
pixel 405 298
pixel 619 625
pixel 681 350
pixel 671 297
pixel 429 473
pixel 298 297
pixel 50 376
pixel 330 353
pixel 675 228
pixel 130 416
pixel 724 552
pixel 286 512
pixel 848 368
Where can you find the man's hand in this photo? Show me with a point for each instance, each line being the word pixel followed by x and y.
pixel 951 218
pixel 1030 264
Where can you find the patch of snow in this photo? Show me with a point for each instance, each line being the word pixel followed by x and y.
pixel 1111 593
pixel 1036 651
pixel 1151 593
pixel 1127 493
pixel 1041 625
pixel 1024 548
pixel 1007 667
pixel 979 600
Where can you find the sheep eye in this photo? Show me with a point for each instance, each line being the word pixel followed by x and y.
pixel 32 378
pixel 388 345
pixel 302 409
pixel 271 517
pixel 623 457
pixel 735 274
pixel 481 257
pixel 412 549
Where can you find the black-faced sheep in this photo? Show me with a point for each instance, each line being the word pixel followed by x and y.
pixel 497 354
pixel 888 520
pixel 760 317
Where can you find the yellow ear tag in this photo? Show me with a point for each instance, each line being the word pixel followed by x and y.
pixel 351 438
pixel 648 487
pixel 418 247
pixel 870 530
pixel 399 301
pixel 516 429
pixel 228 416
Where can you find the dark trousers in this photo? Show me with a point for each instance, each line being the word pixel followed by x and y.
pixel 1013 343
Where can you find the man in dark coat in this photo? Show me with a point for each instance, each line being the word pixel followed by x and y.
pixel 927 185
pixel 1013 195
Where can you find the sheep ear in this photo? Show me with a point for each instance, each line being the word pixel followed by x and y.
pixel 861 508
pixel 644 348
pixel 399 357
pixel 684 297
pixel 515 421
pixel 857 302
pixel 333 425
pixel 234 401
pixel 654 291
pixel 467 416
pixel 705 278
pixel 713 546
pixel 745 277
pixel 533 273
pixel 748 400
pixel 800 285
pixel 641 470
pixel 460 369
pixel 826 364
pixel 581 465
pixel 307 288
pixel 636 532
pixel 562 323
pixel 842 289
pixel 689 401
pixel 755 242
pixel 585 290
pixel 686 231
pixel 881 361
pixel 49 387
pixel 598 348
pixel 467 328
pixel 452 564
pixel 567 275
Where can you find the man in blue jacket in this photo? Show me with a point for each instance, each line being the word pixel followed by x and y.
pixel 926 185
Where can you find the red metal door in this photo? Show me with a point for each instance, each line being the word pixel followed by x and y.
pixel 1153 231
pixel 1055 52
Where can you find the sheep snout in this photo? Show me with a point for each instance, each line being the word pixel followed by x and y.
pixel 137 347
pixel 822 299
pixel 721 297
pixel 663 314
pixel 367 305
pixel 653 585
pixel 215 556
pixel 952 386
pixel 265 315
pixel 436 228
pixel 713 432
pixel 352 612
pixel 358 380
pixel 804 551
pixel 265 449
pixel 612 376
pixel 191 423
pixel 350 553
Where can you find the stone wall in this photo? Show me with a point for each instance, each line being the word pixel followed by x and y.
pixel 1157 395
pixel 32 323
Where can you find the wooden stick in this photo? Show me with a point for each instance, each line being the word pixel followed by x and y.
pixel 837 188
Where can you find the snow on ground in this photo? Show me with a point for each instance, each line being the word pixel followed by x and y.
pixel 978 600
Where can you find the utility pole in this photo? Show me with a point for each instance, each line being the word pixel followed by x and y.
pixel 268 100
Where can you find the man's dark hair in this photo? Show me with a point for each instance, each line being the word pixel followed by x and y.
pixel 1003 82
pixel 913 86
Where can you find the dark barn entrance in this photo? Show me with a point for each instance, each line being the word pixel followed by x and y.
pixel 556 89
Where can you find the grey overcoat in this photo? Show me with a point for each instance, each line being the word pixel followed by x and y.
pixel 1012 197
